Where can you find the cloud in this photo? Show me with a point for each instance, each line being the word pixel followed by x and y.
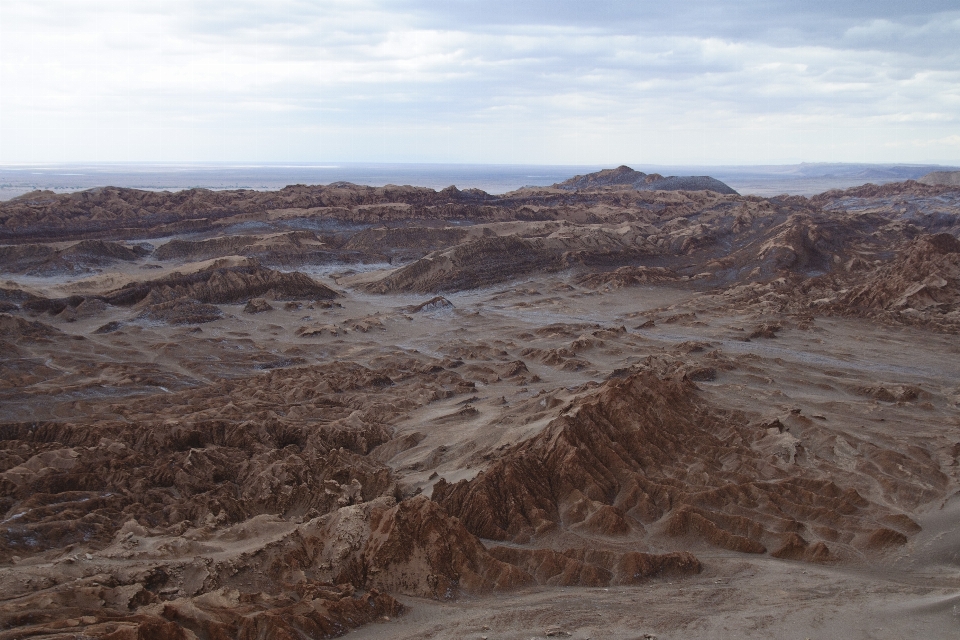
pixel 492 81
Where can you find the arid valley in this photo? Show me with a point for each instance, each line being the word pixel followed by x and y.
pixel 624 406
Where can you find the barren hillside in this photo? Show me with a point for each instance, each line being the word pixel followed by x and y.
pixel 622 406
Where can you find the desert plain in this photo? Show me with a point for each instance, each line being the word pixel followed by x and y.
pixel 624 406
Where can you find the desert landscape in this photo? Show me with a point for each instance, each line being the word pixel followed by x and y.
pixel 623 406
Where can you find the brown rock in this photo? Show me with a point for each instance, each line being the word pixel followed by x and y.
pixel 257 305
pixel 613 461
pixel 222 285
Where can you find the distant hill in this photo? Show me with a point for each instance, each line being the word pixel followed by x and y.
pixel 947 178
pixel 627 177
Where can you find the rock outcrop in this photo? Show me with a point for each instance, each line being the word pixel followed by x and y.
pixel 411 547
pixel 925 278
pixel 284 249
pixel 15 329
pixel 257 305
pixel 478 263
pixel 628 277
pixel 624 176
pixel 82 257
pixel 643 459
pixel 946 178
pixel 216 452
pixel 181 311
pixel 222 285
pixel 102 607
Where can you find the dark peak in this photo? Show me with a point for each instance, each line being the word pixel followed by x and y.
pixel 622 175
pixel 625 177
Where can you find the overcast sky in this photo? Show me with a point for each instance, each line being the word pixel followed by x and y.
pixel 543 82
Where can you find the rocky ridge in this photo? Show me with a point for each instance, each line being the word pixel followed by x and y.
pixel 624 176
pixel 948 178
pixel 641 460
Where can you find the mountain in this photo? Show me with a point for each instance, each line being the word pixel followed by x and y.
pixel 624 176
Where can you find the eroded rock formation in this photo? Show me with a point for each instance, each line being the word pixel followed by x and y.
pixel 624 385
pixel 642 458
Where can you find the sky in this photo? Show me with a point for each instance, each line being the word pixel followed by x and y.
pixel 464 81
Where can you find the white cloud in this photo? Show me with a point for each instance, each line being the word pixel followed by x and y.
pixel 366 81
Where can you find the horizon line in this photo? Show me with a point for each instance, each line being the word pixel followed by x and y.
pixel 336 164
